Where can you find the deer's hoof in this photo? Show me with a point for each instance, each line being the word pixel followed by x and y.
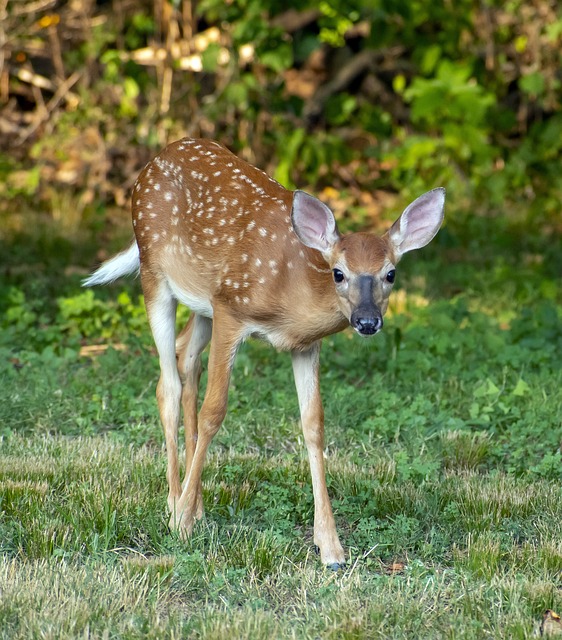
pixel 336 566
pixel 181 525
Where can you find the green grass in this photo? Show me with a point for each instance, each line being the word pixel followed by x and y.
pixel 442 446
pixel 86 548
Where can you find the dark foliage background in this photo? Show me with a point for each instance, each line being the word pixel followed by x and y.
pixel 357 101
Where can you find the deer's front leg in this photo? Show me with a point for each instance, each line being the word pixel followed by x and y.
pixel 306 371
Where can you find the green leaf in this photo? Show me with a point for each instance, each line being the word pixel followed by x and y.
pixel 474 410
pixel 210 57
pixel 533 84
pixel 487 388
pixel 430 59
pixel 521 388
pixel 131 88
pixel 237 93
pixel 399 83
pixel 278 59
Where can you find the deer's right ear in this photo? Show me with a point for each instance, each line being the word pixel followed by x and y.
pixel 313 222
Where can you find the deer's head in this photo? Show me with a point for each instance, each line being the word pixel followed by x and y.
pixel 364 265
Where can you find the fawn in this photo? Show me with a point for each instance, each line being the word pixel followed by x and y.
pixel 250 258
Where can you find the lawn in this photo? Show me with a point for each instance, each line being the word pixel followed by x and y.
pixel 443 450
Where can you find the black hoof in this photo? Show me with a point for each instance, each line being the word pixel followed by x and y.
pixel 336 566
pixel 316 549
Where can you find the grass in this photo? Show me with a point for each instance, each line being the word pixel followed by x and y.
pixel 443 456
pixel 86 550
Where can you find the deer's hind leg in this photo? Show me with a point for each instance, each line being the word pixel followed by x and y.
pixel 161 310
pixel 227 335
pixel 190 344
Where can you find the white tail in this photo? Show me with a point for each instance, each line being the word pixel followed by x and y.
pixel 250 258
pixel 123 264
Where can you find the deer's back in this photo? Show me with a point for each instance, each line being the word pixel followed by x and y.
pixel 219 230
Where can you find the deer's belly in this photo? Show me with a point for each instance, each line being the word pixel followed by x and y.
pixel 197 302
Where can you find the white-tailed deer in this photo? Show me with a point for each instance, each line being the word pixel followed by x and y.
pixel 250 258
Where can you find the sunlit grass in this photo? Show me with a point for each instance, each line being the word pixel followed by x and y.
pixel 86 549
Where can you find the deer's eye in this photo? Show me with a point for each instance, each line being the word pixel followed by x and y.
pixel 338 276
pixel 390 276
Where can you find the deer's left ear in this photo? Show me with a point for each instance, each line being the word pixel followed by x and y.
pixel 314 223
pixel 419 223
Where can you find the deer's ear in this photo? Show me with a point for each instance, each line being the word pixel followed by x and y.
pixel 419 223
pixel 313 222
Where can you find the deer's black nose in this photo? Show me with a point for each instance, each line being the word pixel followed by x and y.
pixel 366 324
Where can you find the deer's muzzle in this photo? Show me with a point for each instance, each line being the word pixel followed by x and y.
pixel 366 318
